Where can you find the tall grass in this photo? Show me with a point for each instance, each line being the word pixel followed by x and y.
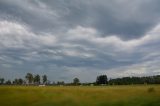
pixel 79 96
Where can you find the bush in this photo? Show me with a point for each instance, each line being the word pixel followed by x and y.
pixel 151 89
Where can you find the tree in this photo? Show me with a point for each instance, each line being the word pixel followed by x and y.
pixel 37 79
pixel 44 77
pixel 15 81
pixel 29 77
pixel 135 80
pixel 76 81
pixel 8 82
pixel 60 83
pixel 18 81
pixel 1 80
pixel 102 79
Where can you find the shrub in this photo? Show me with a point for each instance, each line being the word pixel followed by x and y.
pixel 151 89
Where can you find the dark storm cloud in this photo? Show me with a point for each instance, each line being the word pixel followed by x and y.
pixel 126 19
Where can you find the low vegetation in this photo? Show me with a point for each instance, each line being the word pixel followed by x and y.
pixel 128 95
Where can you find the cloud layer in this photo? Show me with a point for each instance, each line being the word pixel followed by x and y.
pixel 67 39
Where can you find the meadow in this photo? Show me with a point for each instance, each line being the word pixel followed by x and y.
pixel 131 95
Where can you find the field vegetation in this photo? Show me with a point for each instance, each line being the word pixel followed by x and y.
pixel 122 95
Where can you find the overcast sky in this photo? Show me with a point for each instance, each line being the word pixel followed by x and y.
pixel 79 38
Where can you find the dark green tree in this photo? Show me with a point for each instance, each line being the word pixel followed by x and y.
pixel 76 81
pixel 102 79
pixel 15 81
pixel 18 81
pixel 2 80
pixel 29 78
pixel 60 83
pixel 37 79
pixel 44 77
pixel 8 82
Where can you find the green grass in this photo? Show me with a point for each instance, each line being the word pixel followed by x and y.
pixel 137 95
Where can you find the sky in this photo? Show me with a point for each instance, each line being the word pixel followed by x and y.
pixel 65 39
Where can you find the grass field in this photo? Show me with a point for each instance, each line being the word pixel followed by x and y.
pixel 137 95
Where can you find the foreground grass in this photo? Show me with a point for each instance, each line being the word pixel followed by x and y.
pixel 80 96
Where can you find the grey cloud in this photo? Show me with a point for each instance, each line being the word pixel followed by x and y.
pixel 64 39
pixel 126 19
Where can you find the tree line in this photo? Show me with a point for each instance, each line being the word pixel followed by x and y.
pixel 135 80
pixel 31 79
pixel 102 79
